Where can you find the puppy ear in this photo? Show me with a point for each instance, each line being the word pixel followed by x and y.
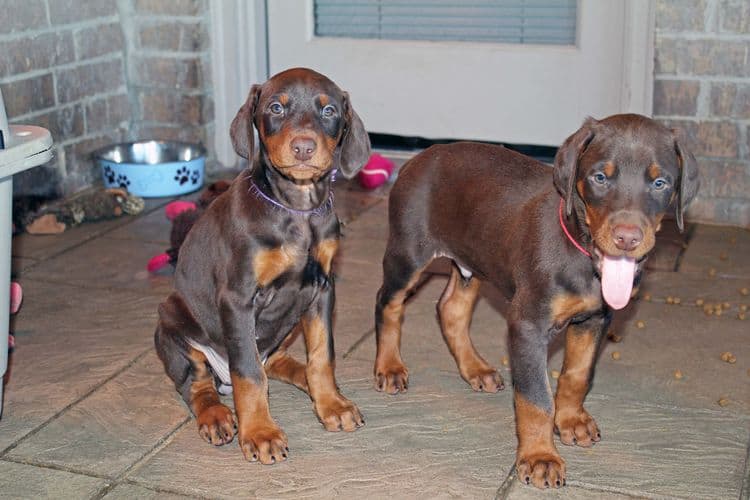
pixel 689 181
pixel 566 161
pixel 241 130
pixel 354 148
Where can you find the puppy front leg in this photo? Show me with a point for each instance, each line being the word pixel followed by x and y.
pixel 537 459
pixel 574 424
pixel 259 436
pixel 334 410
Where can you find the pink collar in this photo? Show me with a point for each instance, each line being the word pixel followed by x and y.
pixel 567 233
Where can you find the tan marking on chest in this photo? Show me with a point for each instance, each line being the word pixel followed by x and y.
pixel 272 263
pixel 324 253
pixel 566 305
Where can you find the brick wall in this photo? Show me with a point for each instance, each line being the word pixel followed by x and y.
pixel 96 72
pixel 702 86
pixel 168 69
pixel 62 67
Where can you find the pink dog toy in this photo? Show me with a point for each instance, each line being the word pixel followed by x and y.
pixel 175 208
pixel 172 210
pixel 376 171
pixel 16 297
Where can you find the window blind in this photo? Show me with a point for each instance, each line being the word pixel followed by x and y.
pixel 494 21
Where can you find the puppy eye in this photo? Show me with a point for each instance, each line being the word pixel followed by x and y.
pixel 660 184
pixel 276 108
pixel 600 178
pixel 328 111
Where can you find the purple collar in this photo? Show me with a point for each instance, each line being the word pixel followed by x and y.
pixel 319 210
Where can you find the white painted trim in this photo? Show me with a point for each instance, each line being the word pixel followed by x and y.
pixel 637 95
pixel 238 59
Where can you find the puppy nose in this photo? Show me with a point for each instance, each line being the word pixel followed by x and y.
pixel 627 236
pixel 303 148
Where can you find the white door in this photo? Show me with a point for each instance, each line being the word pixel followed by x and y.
pixel 507 92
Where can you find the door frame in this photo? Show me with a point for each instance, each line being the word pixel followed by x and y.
pixel 239 58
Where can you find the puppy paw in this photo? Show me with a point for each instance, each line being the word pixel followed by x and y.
pixel 339 414
pixel 216 425
pixel 264 442
pixel 485 380
pixel 391 379
pixel 577 427
pixel 544 469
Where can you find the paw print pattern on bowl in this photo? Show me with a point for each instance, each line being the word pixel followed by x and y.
pixel 123 181
pixel 153 168
pixel 182 175
pixel 109 174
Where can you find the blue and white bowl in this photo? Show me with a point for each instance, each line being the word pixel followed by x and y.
pixel 153 168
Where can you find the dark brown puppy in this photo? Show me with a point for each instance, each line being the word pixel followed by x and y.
pixel 255 270
pixel 502 219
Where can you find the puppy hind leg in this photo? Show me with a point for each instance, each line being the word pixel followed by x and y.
pixel 399 276
pixel 455 309
pixel 187 367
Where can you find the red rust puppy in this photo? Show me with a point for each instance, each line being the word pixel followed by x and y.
pixel 255 270
pixel 564 247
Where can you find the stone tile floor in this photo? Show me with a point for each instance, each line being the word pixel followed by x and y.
pixel 89 412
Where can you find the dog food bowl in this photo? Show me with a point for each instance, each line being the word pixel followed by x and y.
pixel 153 168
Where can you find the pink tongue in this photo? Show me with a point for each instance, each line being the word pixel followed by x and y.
pixel 617 280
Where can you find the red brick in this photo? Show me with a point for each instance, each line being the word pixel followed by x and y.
pixel 118 109
pixel 171 7
pixel 26 96
pixel 680 15
pixel 73 11
pixel 167 72
pixel 174 36
pixel 106 113
pixel 89 79
pixel 723 96
pixel 730 100
pixel 701 57
pixel 170 107
pixel 99 40
pixel 26 15
pixel 63 123
pixel 674 97
pixel 722 178
pixel 42 51
pixel 734 16
pixel 709 139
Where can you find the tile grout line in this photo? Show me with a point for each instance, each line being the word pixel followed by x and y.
pixel 356 344
pixel 159 489
pixel 504 490
pixel 55 467
pixel 162 443
pixel 96 387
